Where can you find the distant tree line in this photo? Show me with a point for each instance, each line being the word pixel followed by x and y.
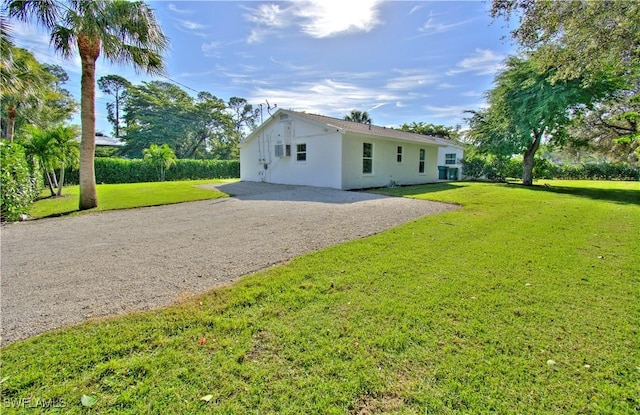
pixel 157 112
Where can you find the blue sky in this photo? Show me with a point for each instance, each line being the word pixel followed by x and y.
pixel 401 61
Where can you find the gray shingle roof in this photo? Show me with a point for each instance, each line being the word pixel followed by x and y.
pixel 373 130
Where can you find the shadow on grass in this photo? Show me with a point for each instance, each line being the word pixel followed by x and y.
pixel 417 189
pixel 623 196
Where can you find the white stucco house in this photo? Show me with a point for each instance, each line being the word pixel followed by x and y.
pixel 305 149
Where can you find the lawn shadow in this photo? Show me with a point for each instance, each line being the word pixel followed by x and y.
pixel 622 196
pixel 417 189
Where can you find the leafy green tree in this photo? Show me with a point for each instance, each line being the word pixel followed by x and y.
pixel 158 111
pixel 214 129
pixel 116 86
pixel 451 133
pixel 527 105
pixel 122 31
pixel 582 39
pixel 243 115
pixel 595 36
pixel 358 116
pixel 161 157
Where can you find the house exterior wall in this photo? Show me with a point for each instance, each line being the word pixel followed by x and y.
pixel 442 158
pixel 322 167
pixel 386 168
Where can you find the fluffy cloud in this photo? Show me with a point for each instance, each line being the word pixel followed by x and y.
pixel 315 18
pixel 482 62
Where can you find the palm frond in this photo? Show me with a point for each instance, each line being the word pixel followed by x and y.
pixel 42 12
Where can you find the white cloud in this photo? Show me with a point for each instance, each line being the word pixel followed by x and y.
pixel 452 114
pixel 481 62
pixel 416 8
pixel 288 65
pixel 472 94
pixel 410 79
pixel 326 96
pixel 324 18
pixel 175 9
pixel 212 49
pixel 432 26
pixel 190 25
pixel 315 18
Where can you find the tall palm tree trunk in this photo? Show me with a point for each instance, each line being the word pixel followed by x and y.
pixel 89 51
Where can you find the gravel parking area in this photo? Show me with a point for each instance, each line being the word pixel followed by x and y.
pixel 61 271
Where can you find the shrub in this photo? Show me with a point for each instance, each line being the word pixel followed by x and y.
pixel 115 170
pixel 473 167
pixel 497 169
pixel 19 185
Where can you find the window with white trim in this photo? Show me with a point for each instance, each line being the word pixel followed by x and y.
pixel 399 154
pixel 450 158
pixel 421 160
pixel 367 158
pixel 301 152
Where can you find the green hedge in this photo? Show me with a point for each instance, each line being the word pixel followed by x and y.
pixel 497 169
pixel 19 182
pixel 114 170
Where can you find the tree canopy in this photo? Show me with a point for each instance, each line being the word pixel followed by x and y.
pixel 202 127
pixel 528 105
pixel 584 39
pixel 437 130
pixel 116 86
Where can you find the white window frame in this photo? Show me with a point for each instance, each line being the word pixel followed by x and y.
pixel 399 151
pixel 422 156
pixel 365 158
pixel 450 160
pixel 300 152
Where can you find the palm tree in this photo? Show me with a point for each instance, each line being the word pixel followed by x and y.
pixel 43 153
pixel 358 116
pixel 66 149
pixel 161 157
pixel 123 31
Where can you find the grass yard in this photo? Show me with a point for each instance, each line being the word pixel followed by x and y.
pixel 125 196
pixel 524 301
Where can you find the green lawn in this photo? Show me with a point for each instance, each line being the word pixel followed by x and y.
pixel 524 301
pixel 125 196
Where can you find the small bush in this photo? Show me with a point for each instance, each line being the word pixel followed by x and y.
pixel 473 167
pixel 115 170
pixel 19 183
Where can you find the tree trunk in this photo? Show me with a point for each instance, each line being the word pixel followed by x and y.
pixel 89 51
pixel 11 122
pixel 54 178
pixel 117 129
pixel 528 159
pixel 61 182
pixel 50 183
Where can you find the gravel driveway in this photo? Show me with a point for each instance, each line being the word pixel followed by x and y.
pixel 61 271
